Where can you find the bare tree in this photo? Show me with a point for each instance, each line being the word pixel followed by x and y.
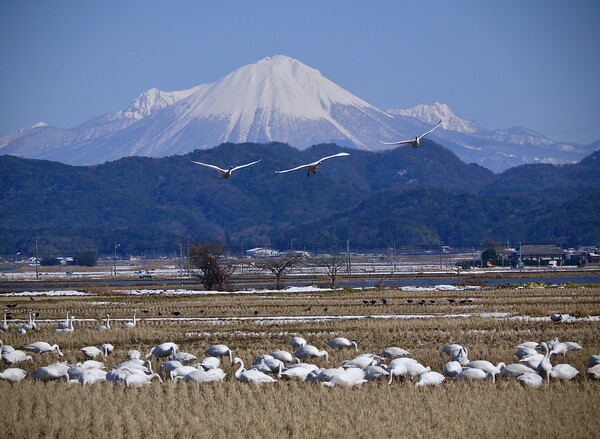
pixel 332 265
pixel 206 258
pixel 278 266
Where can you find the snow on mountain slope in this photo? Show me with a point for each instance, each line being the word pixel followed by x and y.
pixel 431 114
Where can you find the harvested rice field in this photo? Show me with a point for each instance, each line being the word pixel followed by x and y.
pixel 491 323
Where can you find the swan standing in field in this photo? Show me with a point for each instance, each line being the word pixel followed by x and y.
pixel 92 376
pixel 346 378
pixel 65 324
pixel 515 370
pixel 162 350
pixel 545 367
pixel 594 372
pixel 210 363
pixel 4 325
pixel 184 357
pixel 342 342
pixel 451 349
pixel 41 347
pixel 309 351
pixel 219 350
pixel 312 167
pixel 394 352
pixel 430 379
pixel 107 349
pixel 452 368
pixel 375 372
pixel 13 374
pixel 472 374
pixel 531 379
pixel 284 356
pixel 131 324
pixel 106 327
pixel 16 356
pixel 51 372
pixel 297 342
pixel 563 372
pixel 251 375
pixel 92 352
pixel 202 377
pixel 417 140
pixel 225 173
pixel 69 329
pixel 486 366
pixel 140 379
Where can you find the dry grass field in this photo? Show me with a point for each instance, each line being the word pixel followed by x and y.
pixel 294 409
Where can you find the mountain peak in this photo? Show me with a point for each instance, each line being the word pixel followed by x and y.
pixel 431 114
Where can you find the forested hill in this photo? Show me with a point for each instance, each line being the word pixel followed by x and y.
pixel 421 197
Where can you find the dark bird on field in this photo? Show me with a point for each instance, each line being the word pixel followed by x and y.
pixel 384 301
pixel 409 300
pixel 225 173
pixel 176 313
pixel 325 309
pixel 307 308
pixel 432 301
pixel 451 300
pixel 422 301
pixel 255 312
pixel 11 305
pixel 373 302
pixel 145 311
pixel 366 302
pixel 417 140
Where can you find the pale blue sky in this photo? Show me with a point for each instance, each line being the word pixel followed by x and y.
pixel 510 63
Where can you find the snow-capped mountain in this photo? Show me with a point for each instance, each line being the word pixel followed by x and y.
pixel 275 99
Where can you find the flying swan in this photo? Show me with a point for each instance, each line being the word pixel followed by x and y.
pixel 312 167
pixel 417 140
pixel 225 173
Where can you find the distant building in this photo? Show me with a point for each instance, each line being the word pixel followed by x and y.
pixel 540 253
pixel 262 252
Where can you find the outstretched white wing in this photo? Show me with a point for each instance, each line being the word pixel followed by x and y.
pixel 423 135
pixel 210 166
pixel 293 169
pixel 340 154
pixel 314 164
pixel 402 142
pixel 243 166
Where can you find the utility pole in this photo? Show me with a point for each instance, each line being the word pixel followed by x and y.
pixel 37 274
pixel 242 256
pixel 348 266
pixel 115 258
pixel 181 259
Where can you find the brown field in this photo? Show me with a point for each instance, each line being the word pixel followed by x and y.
pixel 291 409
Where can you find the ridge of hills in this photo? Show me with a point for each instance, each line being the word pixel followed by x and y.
pixel 412 197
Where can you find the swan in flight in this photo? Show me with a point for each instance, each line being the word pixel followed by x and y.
pixel 312 167
pixel 417 140
pixel 225 173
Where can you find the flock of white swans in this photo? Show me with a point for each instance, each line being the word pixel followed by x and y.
pixel 533 369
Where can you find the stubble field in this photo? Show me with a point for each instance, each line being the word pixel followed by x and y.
pixel 491 323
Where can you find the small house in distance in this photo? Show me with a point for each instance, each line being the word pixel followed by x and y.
pixel 262 252
pixel 540 254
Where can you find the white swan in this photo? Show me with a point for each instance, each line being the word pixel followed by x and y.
pixel 486 366
pixel 417 140
pixel 251 375
pixel 41 347
pixel 394 352
pixel 545 366
pixel 219 350
pixel 133 354
pixel 360 361
pixel 131 324
pixel 225 173
pixel 16 356
pixel 181 371
pixel 92 376
pixel 65 324
pixel 210 363
pixel 106 327
pixel 563 372
pixel 472 374
pixel 346 378
pixel 430 379
pixel 452 368
pixel 373 373
pixel 184 357
pixel 451 349
pixel 68 329
pixel 107 348
pixel 531 379
pixel 203 377
pixel 312 167
pixel 140 379
pixel 13 374
pixel 296 372
pixel 92 352
pixel 308 351
pixel 4 325
pixel 594 372
pixel 284 356
pixel 461 356
pixel 342 342
pixel 162 350
pixel 515 370
pixel 297 342
pixel 51 372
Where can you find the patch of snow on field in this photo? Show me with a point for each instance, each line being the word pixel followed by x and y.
pixel 441 288
pixel 46 293
pixel 186 292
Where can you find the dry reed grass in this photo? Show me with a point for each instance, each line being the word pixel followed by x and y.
pixel 290 409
